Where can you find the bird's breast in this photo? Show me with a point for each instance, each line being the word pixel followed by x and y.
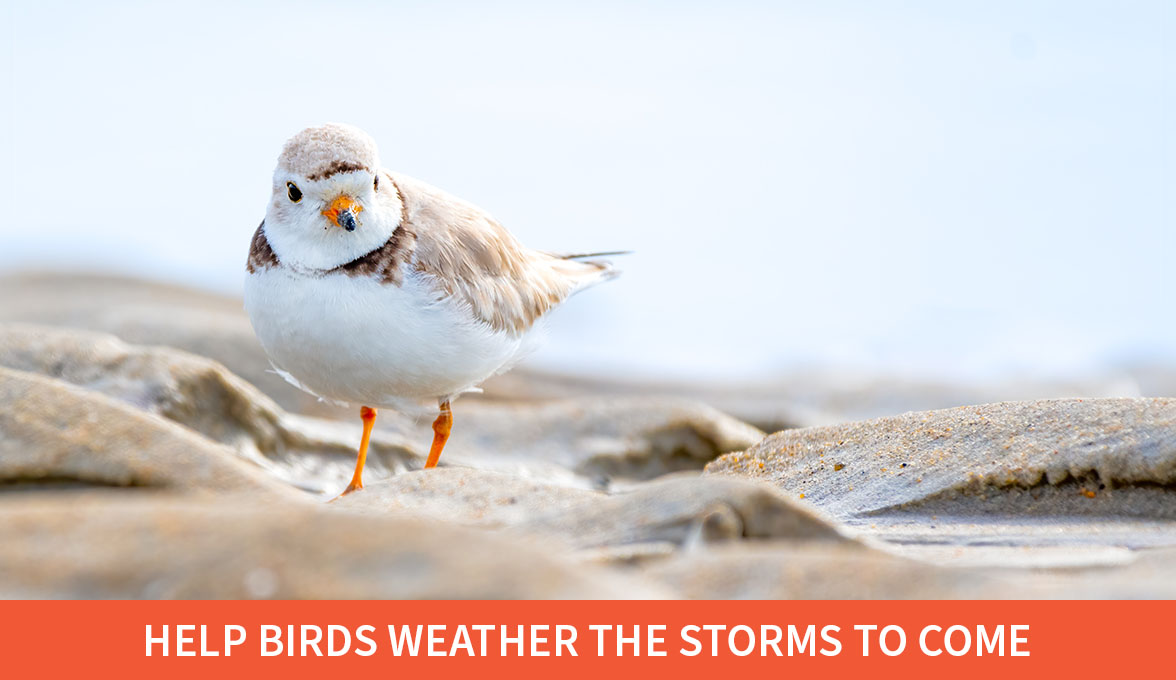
pixel 361 340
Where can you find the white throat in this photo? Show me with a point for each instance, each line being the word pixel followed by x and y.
pixel 304 239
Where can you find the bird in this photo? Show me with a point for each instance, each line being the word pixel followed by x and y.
pixel 369 288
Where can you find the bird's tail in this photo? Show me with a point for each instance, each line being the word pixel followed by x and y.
pixel 584 256
pixel 586 270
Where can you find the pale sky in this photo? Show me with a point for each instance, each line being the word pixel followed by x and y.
pixel 969 187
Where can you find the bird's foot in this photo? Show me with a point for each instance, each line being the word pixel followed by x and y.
pixel 352 487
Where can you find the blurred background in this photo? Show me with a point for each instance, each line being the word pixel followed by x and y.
pixel 964 191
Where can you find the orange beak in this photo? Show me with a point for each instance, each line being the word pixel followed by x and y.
pixel 342 212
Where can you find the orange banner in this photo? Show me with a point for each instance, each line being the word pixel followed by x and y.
pixel 584 639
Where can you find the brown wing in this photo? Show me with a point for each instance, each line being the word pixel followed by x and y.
pixel 475 259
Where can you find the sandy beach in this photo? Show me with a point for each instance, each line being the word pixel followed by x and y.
pixel 147 451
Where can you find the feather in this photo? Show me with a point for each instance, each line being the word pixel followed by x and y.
pixel 473 258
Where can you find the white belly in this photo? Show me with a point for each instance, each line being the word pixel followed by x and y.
pixel 355 340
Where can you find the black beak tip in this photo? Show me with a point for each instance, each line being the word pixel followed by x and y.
pixel 347 220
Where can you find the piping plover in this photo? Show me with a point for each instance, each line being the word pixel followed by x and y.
pixel 373 289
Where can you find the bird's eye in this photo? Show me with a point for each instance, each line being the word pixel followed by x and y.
pixel 376 183
pixel 293 192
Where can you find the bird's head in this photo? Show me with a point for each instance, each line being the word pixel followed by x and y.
pixel 331 201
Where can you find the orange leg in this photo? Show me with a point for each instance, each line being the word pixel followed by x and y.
pixel 441 427
pixel 369 419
